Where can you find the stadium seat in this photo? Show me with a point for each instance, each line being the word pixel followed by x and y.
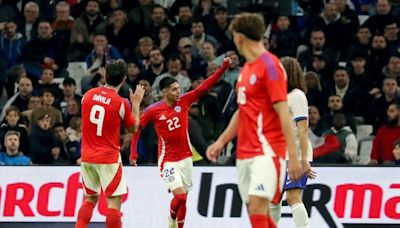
pixel 363 131
pixel 364 151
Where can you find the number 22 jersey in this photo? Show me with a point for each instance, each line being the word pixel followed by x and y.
pixel 103 110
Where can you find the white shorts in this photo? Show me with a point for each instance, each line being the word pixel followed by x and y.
pixel 262 176
pixel 108 177
pixel 178 174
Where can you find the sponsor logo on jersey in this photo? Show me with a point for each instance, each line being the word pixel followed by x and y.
pixel 162 117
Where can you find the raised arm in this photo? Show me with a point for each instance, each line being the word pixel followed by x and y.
pixel 136 98
pixel 210 81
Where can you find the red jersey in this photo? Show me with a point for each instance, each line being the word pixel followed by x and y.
pixel 102 112
pixel 171 123
pixel 261 84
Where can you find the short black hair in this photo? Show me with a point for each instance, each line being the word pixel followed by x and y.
pixel 116 71
pixel 69 81
pixel 47 90
pixel 166 82
pixel 56 125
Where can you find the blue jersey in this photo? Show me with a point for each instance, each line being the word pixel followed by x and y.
pixel 14 160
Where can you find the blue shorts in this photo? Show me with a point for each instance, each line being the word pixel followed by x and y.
pixel 289 184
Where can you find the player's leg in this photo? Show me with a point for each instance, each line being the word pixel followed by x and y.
pixel 265 188
pixel 91 189
pixel 185 171
pixel 171 175
pixel 275 211
pixel 294 193
pixel 114 186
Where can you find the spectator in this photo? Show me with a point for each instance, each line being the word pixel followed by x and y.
pixel 344 89
pixel 392 69
pixel 283 40
pixel 11 45
pixel 120 32
pixel 13 123
pixel 156 67
pixel 376 23
pixel 335 104
pixel 141 15
pixel 132 78
pixel 148 99
pixel 73 109
pixel 20 99
pixel 68 93
pixel 363 83
pixel 102 53
pixel 348 17
pixel 199 36
pixel 174 67
pixel 11 154
pixel 363 42
pixel 190 57
pixel 218 28
pixel 13 76
pixel 184 23
pixel 88 22
pixel 323 70
pixel 30 23
pixel 317 127
pixel 43 50
pixel 43 144
pixel 376 114
pixel 391 33
pixel 318 47
pixel 145 45
pixel 63 24
pixel 158 19
pixel 348 142
pixel 165 41
pixel 222 89
pixel 47 82
pixel 314 94
pixel 379 57
pixel 334 29
pixel 383 144
pixel 34 103
pixel 47 108
pixel 68 147
pixel 204 11
pixel 74 131
pixel 208 52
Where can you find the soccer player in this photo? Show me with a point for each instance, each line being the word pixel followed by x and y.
pixel 298 107
pixel 103 110
pixel 262 123
pixel 170 118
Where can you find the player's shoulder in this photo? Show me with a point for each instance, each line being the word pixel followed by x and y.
pixel 297 95
pixel 269 64
pixel 153 106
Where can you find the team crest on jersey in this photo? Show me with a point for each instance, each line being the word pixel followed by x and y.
pixel 253 79
pixel 171 179
pixel 178 109
pixel 162 117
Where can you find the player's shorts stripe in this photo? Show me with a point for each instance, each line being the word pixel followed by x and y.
pixel 278 191
pixel 115 182
pixel 88 191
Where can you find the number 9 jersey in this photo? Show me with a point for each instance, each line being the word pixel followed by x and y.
pixel 102 112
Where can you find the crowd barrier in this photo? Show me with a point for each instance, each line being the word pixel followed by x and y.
pixel 339 197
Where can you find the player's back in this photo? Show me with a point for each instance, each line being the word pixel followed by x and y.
pixel 102 112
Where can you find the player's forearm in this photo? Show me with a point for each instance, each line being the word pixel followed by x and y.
pixel 210 82
pixel 231 131
pixel 303 136
pixel 136 114
pixel 135 139
pixel 283 111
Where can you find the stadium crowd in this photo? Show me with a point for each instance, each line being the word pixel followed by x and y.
pixel 52 52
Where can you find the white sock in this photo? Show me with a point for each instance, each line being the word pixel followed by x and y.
pixel 275 212
pixel 300 215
